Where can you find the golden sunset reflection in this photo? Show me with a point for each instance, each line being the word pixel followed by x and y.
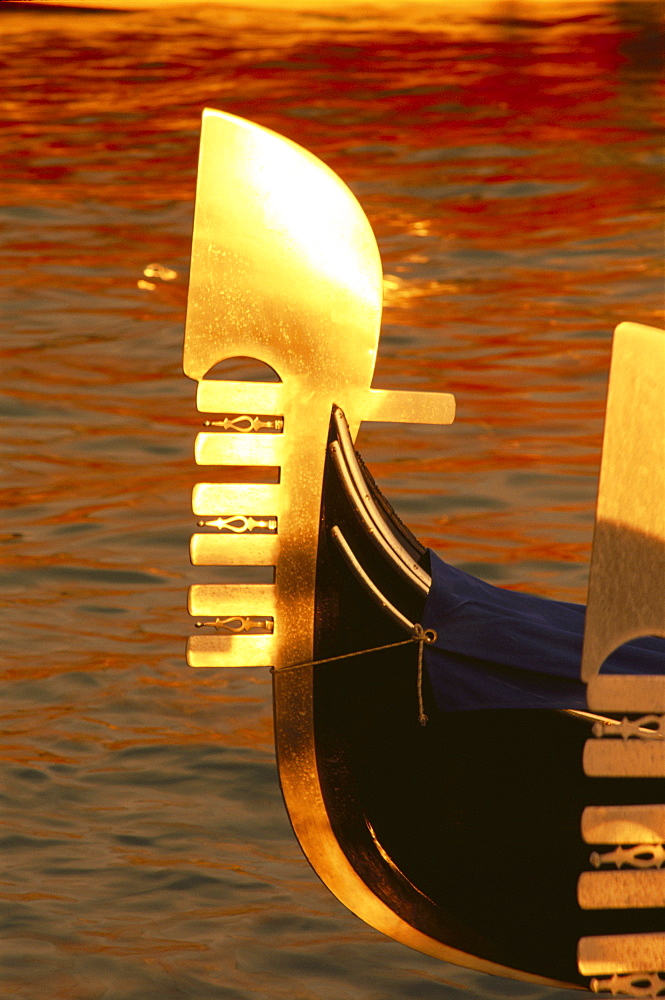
pixel 507 156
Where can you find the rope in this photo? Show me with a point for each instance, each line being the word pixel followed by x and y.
pixel 420 635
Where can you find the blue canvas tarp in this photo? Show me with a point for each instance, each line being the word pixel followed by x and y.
pixel 502 649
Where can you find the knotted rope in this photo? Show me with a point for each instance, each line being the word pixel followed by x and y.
pixel 420 635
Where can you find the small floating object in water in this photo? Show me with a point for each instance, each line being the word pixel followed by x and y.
pixel 159 271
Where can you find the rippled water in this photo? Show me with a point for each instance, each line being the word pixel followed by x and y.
pixel 506 155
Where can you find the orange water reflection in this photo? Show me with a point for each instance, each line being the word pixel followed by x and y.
pixel 507 158
pixel 507 165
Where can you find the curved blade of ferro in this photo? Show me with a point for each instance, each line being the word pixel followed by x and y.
pixel 285 269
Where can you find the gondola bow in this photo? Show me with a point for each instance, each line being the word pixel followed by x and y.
pixel 459 837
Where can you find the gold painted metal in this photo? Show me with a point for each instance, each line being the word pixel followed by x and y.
pixel 626 693
pixel 626 593
pixel 246 424
pixel 238 449
pixel 636 984
pixel 224 499
pixel 624 758
pixel 233 599
pixel 634 824
pixel 621 953
pixel 624 890
pixel 217 550
pixel 232 650
pixel 627 600
pixel 603 724
pixel 647 727
pixel 240 523
pixel 637 856
pixel 238 624
pixel 238 396
pixel 285 269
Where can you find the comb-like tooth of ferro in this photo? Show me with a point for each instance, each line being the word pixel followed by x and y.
pixel 232 650
pixel 223 600
pixel 621 890
pixel 620 953
pixel 251 499
pixel 626 693
pixel 624 758
pixel 232 599
pixel 631 824
pixel 240 397
pixel 238 449
pixel 234 550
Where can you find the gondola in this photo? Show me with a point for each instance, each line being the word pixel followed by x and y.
pixel 456 767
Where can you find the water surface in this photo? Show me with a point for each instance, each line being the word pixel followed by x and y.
pixel 507 157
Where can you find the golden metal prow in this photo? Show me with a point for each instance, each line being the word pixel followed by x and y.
pixel 626 601
pixel 626 592
pixel 285 269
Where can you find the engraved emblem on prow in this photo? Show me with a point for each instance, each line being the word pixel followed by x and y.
pixel 646 727
pixel 637 856
pixel 239 524
pixel 238 624
pixel 625 602
pixel 635 984
pixel 246 424
pixel 285 270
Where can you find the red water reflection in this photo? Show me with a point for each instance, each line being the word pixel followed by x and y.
pixel 507 158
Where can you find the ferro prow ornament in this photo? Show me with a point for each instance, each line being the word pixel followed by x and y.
pixel 627 600
pixel 452 830
pixel 285 270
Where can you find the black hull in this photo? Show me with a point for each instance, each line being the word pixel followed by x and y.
pixel 460 838
pixel 469 827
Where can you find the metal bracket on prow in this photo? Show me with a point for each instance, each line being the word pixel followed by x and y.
pixel 626 601
pixel 285 269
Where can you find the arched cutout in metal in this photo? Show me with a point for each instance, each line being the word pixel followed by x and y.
pixel 242 369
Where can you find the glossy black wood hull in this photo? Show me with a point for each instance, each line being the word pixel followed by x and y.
pixel 469 827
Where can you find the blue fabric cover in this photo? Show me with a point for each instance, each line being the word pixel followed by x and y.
pixel 501 649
